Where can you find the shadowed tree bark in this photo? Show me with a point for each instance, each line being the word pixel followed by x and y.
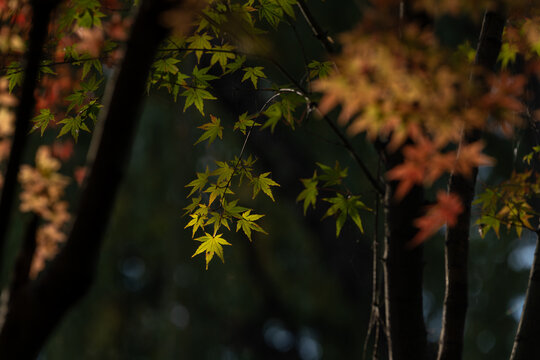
pixel 41 14
pixel 457 237
pixel 36 308
pixel 402 268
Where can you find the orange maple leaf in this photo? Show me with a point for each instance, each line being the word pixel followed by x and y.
pixel 445 211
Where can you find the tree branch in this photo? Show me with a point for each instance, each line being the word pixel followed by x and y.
pixel 457 237
pixel 40 20
pixel 37 308
pixel 316 29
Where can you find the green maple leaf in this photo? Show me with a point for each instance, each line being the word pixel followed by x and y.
pixel 15 75
pixel 72 125
pixel 310 193
pixel 332 176
pixel 197 221
pixel 216 190
pixel 231 209
pixel 507 54
pixel 212 130
pixel 211 244
pixel 247 223
pixel 199 41
pixel 167 65
pixel 199 183
pixel 345 206
pixel 88 63
pixel 319 69
pixel 487 222
pixel 224 172
pixel 222 57
pixel 253 73
pixel 195 201
pixel 196 96
pixel 271 12
pixel 42 120
pixel 263 182
pixel 274 114
pixel 218 219
pixel 287 6
pixel 236 64
pixel 201 77
pixel 244 122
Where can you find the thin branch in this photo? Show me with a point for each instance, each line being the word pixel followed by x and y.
pixel 316 29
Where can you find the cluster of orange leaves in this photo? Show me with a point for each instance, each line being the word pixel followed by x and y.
pixel 42 191
pixel 410 93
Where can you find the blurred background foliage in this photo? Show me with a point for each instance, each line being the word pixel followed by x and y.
pixel 297 293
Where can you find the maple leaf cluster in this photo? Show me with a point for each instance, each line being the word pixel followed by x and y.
pixel 412 95
pixel 42 191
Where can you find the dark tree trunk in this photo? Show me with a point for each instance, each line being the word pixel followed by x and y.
pixel 457 237
pixel 25 110
pixel 403 267
pixel 36 308
pixel 526 344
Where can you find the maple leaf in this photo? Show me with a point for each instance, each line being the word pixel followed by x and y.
pixel 445 211
pixel 72 125
pixel 211 244
pixel 218 219
pixel 345 206
pixel 319 69
pixel 263 182
pixel 224 172
pixel 332 176
pixel 216 190
pixel 42 120
pixel 274 114
pixel 471 156
pixel 244 122
pixel 212 130
pixel 231 209
pixel 271 12
pixel 287 6
pixel 196 96
pixel 222 57
pixel 309 194
pixel 201 77
pixel 253 73
pixel 199 183
pixel 247 223
pixel 167 65
pixel 197 221
pixel 199 41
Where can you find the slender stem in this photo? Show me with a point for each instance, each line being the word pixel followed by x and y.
pixel 316 29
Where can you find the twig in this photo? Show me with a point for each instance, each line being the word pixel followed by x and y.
pixel 316 29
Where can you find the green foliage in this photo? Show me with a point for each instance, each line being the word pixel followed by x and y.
pixel 14 75
pixel 42 120
pixel 195 96
pixel 214 186
pixel 245 122
pixel 310 193
pixel 319 69
pixel 211 244
pixel 509 204
pixel 212 130
pixel 343 206
pixel 263 183
pixel 507 55
pixel 253 74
